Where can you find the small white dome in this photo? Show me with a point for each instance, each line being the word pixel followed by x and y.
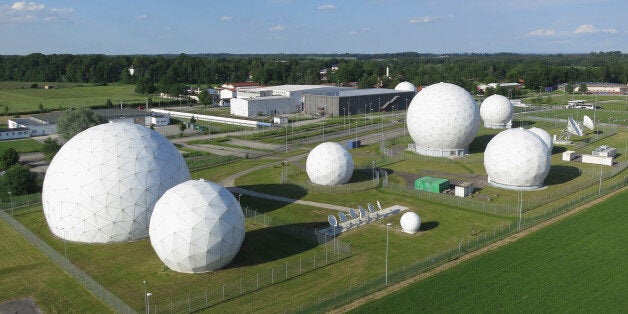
pixel 329 164
pixel 546 137
pixel 197 226
pixel 517 159
pixel 103 183
pixel 410 222
pixel 496 112
pixel 443 120
pixel 406 87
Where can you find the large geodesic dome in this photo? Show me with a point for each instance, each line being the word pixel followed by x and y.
pixel 517 159
pixel 329 164
pixel 197 226
pixel 443 120
pixel 406 87
pixel 103 183
pixel 496 112
pixel 546 137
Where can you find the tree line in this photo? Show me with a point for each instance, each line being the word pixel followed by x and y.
pixel 169 73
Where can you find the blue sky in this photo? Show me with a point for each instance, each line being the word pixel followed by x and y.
pixel 299 26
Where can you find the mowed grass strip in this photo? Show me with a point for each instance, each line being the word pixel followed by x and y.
pixel 576 265
pixel 27 145
pixel 24 272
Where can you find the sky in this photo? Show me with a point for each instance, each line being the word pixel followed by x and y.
pixel 300 26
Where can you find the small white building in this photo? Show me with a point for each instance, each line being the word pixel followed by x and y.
pixel 280 120
pixel 463 189
pixel 158 120
pixel 605 151
pixel 569 155
pixel 598 160
pixel 14 133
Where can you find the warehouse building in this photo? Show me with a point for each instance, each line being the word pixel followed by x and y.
pixel 356 101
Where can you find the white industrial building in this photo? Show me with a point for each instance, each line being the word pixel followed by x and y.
pixel 272 100
pixel 14 133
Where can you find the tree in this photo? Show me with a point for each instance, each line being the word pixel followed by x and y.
pixel 583 88
pixel 192 120
pixel 182 128
pixel 74 121
pixel 50 148
pixel 145 85
pixel 205 98
pixel 108 103
pixel 18 180
pixel 569 88
pixel 8 157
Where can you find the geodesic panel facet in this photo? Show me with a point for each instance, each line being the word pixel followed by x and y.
pixel 197 226
pixel 103 183
pixel 546 137
pixel 329 164
pixel 443 120
pixel 517 159
pixel 496 112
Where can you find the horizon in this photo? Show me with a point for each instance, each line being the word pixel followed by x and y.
pixel 317 27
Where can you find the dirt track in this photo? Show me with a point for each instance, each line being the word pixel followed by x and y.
pixel 491 247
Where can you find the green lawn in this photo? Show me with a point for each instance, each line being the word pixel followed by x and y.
pixel 26 145
pixel 577 265
pixel 25 271
pixel 29 99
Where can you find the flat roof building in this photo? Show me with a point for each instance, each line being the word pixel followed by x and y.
pixel 356 101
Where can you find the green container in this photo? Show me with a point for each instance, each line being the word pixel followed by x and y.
pixel 429 184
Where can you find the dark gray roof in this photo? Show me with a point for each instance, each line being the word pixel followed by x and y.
pixel 51 117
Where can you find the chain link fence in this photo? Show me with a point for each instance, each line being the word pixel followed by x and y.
pixel 104 295
pixel 358 288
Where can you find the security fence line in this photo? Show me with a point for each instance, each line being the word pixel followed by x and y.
pixel 351 291
pixel 104 295
pixel 330 251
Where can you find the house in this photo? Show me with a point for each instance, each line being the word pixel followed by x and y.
pixel 15 133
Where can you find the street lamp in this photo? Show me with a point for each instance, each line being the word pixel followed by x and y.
pixel 148 295
pixel 239 197
pixel 145 296
pixel 387 227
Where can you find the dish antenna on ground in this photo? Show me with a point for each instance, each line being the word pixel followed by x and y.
pixel 588 123
pixel 332 220
pixel 343 217
pixel 572 128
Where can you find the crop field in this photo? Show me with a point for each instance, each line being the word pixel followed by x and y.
pixel 29 99
pixel 25 271
pixel 577 265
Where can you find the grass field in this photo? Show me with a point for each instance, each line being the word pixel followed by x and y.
pixel 27 145
pixel 25 271
pixel 577 265
pixel 29 99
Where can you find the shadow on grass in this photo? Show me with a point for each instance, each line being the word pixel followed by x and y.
pixel 428 225
pixel 284 190
pixel 479 143
pixel 522 123
pixel 561 174
pixel 558 150
pixel 273 243
pixel 361 175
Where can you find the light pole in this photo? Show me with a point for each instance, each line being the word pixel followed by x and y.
pixel 387 227
pixel 148 295
pixel 145 296
pixel 239 198
pixel 373 168
pixel 11 196
pixel 344 118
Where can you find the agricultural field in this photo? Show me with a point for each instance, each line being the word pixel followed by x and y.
pixel 19 100
pixel 25 271
pixel 576 265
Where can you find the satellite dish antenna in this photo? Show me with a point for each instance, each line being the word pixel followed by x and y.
pixel 362 212
pixel 379 205
pixel 588 123
pixel 573 127
pixel 353 214
pixel 342 216
pixel 370 207
pixel 332 220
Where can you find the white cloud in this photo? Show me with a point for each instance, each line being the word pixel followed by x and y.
pixel 353 33
pixel 542 32
pixel 226 18
pixel 31 6
pixel 590 29
pixel 141 17
pixel 277 28
pixel 326 7
pixel 424 19
pixel 22 12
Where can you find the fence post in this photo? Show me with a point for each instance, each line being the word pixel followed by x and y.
pixel 257 286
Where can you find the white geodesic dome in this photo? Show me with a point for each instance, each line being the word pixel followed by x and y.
pixel 103 183
pixel 443 120
pixel 329 164
pixel 496 112
pixel 410 222
pixel 197 226
pixel 546 137
pixel 517 159
pixel 406 87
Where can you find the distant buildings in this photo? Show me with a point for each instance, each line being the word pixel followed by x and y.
pixel 598 88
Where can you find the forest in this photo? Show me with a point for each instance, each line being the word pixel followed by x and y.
pixel 169 73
